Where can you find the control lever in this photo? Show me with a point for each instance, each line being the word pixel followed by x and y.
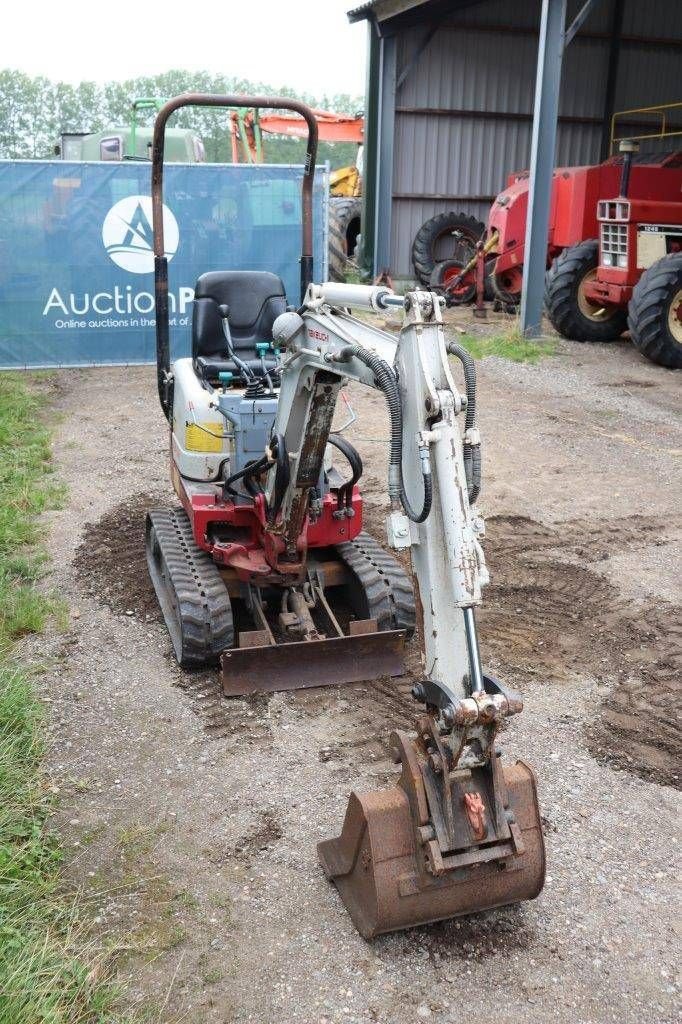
pixel 224 311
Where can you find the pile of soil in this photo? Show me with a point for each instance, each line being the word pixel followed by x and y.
pixel 111 564
pixel 546 616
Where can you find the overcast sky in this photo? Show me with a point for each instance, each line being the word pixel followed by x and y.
pixel 306 44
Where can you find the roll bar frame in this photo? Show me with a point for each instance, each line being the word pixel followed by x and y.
pixel 198 99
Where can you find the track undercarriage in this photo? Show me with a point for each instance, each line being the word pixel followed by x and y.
pixel 346 621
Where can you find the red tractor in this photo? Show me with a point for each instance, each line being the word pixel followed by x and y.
pixel 444 245
pixel 573 210
pixel 631 276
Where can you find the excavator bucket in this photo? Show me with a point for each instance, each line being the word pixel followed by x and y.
pixel 426 850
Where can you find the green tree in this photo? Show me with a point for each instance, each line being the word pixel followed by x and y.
pixel 34 112
pixel 16 101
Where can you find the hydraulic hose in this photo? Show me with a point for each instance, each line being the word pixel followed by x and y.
pixel 469 367
pixel 278 448
pixel 472 446
pixel 246 371
pixel 386 381
pixel 345 493
pixel 250 470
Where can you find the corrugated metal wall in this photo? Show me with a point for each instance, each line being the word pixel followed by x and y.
pixel 482 60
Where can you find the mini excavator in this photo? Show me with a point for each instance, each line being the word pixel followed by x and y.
pixel 265 568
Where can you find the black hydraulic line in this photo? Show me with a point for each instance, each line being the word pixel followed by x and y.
pixel 345 492
pixel 252 485
pixel 469 367
pixel 282 474
pixel 471 452
pixel 386 381
pixel 203 479
pixel 418 517
pixel 248 376
pixel 249 470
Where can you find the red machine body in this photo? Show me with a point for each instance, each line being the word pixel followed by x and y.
pixel 235 536
pixel 573 211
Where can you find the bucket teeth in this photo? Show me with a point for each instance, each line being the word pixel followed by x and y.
pixel 392 872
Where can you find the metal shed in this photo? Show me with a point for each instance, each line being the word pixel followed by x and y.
pixel 452 92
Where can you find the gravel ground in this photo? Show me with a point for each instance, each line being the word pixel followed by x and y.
pixel 193 820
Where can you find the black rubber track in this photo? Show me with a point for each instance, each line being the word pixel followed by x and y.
pixel 193 598
pixel 344 217
pixel 424 254
pixel 382 589
pixel 648 312
pixel 562 282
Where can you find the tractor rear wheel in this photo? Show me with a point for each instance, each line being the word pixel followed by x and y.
pixel 440 239
pixel 655 312
pixel 568 308
pixel 344 227
pixel 507 286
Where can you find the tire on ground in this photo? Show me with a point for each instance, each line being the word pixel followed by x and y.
pixel 425 248
pixel 443 273
pixel 502 294
pixel 655 310
pixel 567 311
pixel 345 216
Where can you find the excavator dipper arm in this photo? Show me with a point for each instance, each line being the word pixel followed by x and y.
pixel 458 832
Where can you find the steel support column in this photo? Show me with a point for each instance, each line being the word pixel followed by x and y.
pixel 384 176
pixel 547 85
pixel 370 182
pixel 612 76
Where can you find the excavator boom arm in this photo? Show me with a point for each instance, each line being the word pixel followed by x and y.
pixel 324 346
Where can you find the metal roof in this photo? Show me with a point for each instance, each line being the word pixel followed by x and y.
pixel 383 9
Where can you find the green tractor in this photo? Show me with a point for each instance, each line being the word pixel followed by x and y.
pixel 132 142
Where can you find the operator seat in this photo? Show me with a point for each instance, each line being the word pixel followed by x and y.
pixel 255 299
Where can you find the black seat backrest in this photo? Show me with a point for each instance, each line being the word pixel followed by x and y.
pixel 256 298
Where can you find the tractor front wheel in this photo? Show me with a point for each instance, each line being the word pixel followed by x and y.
pixel 444 274
pixel 506 286
pixel 655 312
pixel 568 308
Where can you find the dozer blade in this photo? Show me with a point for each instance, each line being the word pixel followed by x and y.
pixel 387 867
pixel 302 664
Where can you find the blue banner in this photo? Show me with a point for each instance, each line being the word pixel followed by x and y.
pixel 76 262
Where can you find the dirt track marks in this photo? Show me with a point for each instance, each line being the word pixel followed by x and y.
pixel 547 616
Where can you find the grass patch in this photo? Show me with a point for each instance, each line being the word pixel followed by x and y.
pixel 28 489
pixel 510 345
pixel 50 971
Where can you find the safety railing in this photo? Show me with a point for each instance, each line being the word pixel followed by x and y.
pixel 662 112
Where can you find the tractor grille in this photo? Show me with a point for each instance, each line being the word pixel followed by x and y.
pixel 614 245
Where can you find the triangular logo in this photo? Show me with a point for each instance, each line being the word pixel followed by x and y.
pixel 139 230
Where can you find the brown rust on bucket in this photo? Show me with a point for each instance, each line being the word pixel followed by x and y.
pixel 397 863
